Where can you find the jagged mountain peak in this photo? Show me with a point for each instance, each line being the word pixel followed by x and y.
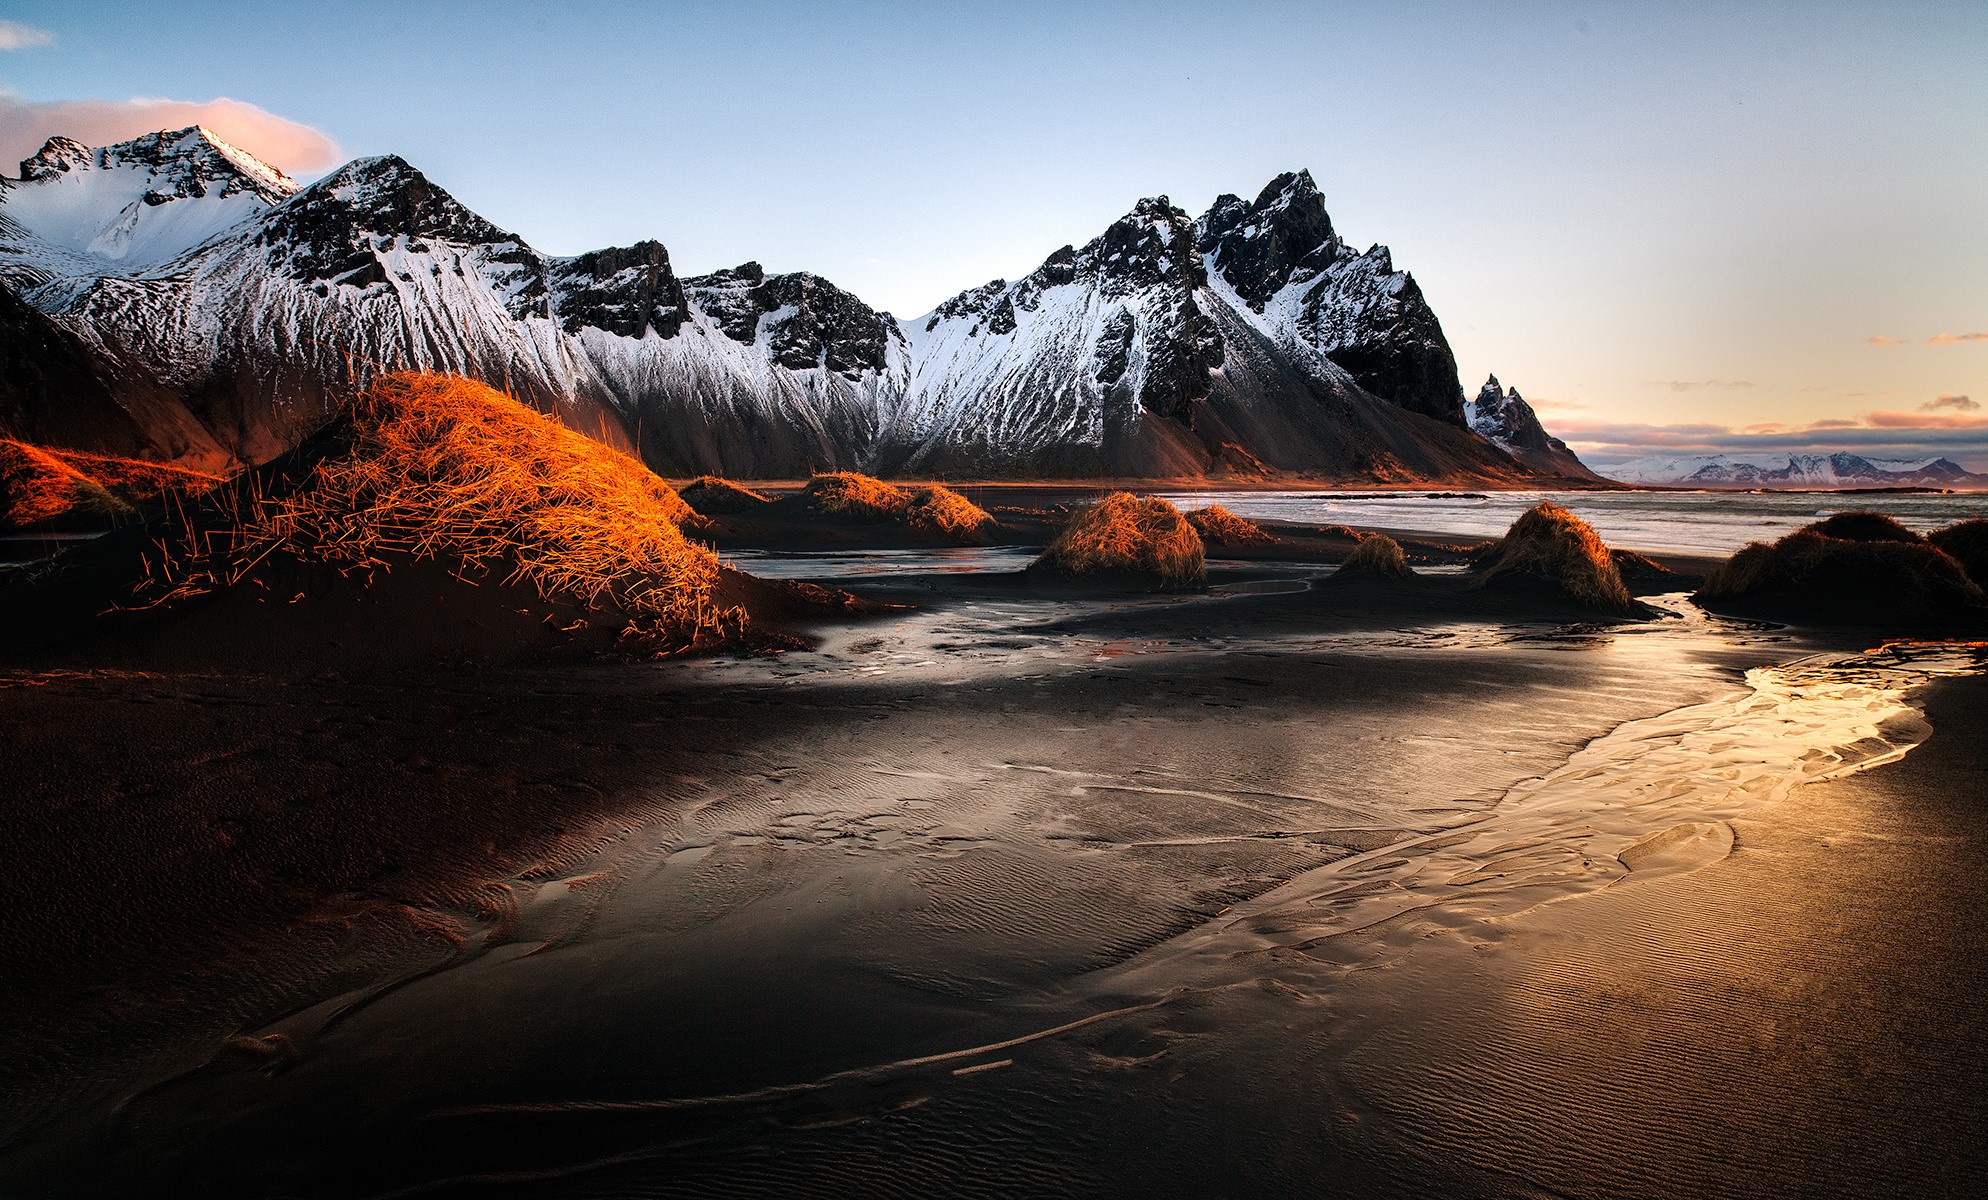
pixel 378 219
pixel 1262 247
pixel 194 162
pixel 1502 417
pixel 56 156
pixel 393 195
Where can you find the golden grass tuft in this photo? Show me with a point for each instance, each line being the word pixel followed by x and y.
pixel 1552 543
pixel 1378 556
pixel 41 484
pixel 945 512
pixel 710 495
pixel 1220 527
pixel 859 497
pixel 442 467
pixel 1129 535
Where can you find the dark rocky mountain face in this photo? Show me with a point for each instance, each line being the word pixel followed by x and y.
pixel 1280 253
pixel 626 291
pixel 815 324
pixel 1259 248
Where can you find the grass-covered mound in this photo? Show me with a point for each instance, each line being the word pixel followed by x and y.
pixel 438 515
pixel 45 488
pixel 934 511
pixel 1378 556
pixel 945 513
pixel 1127 540
pixel 1220 527
pixel 855 497
pixel 711 496
pixel 1873 577
pixel 1550 545
pixel 1967 544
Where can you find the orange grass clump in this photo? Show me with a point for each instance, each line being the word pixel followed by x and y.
pixel 1125 534
pixel 443 467
pixel 1377 556
pixel 710 495
pixel 1551 542
pixel 944 511
pixel 847 494
pixel 40 484
pixel 1219 526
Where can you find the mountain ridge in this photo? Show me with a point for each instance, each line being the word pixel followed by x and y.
pixel 1837 470
pixel 1252 339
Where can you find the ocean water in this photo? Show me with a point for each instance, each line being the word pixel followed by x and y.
pixel 1678 522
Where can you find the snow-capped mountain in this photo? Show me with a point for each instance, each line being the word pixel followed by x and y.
pixel 227 311
pixel 76 211
pixel 1250 338
pixel 1838 470
pixel 1504 418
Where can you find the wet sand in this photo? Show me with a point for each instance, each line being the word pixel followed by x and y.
pixel 1019 892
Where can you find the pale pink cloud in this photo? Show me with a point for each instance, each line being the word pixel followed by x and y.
pixel 1955 339
pixel 289 145
pixel 1920 420
pixel 1882 340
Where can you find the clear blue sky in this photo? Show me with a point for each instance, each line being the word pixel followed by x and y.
pixel 1688 215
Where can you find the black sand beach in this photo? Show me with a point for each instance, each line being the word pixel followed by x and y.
pixel 1021 891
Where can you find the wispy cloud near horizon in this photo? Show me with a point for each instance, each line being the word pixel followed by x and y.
pixel 291 146
pixel 1955 339
pixel 1689 385
pixel 16 36
pixel 1957 403
pixel 1882 340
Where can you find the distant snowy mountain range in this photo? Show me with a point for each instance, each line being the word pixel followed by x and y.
pixel 219 311
pixel 1795 471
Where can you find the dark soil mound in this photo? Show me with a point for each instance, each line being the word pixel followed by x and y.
pixel 1812 577
pixel 1967 544
pixel 1864 527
